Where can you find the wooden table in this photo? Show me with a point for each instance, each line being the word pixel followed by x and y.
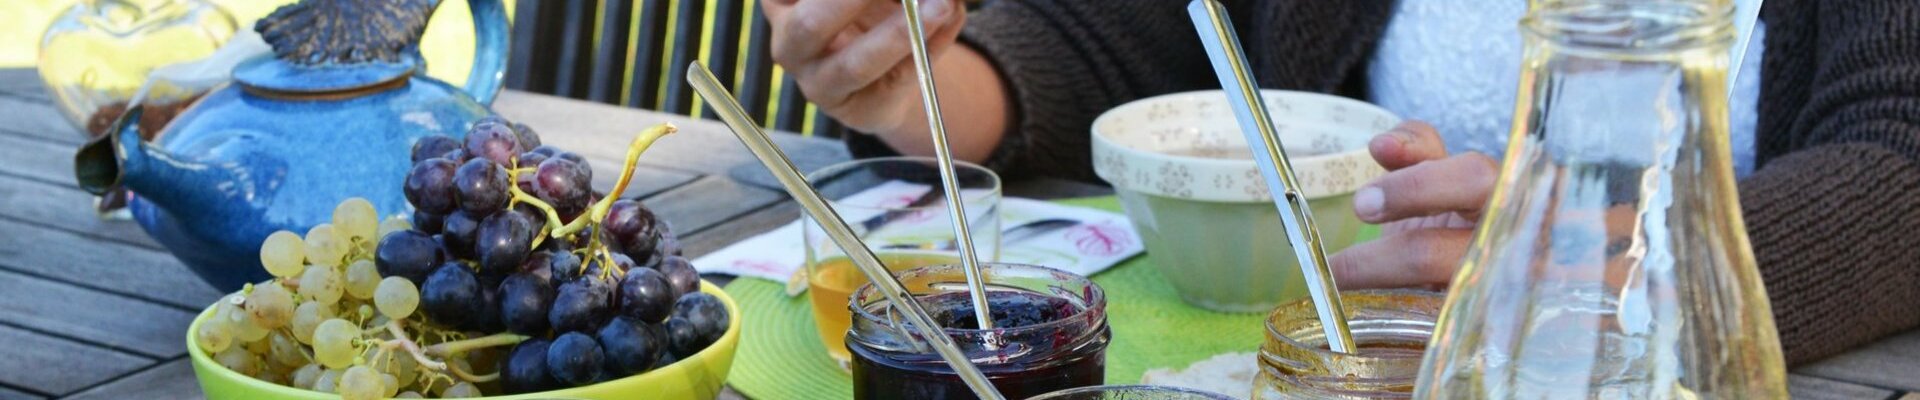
pixel 95 309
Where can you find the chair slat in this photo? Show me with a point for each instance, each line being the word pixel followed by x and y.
pixel 688 24
pixel 609 58
pixel 520 60
pixel 756 84
pixel 793 107
pixel 576 42
pixel 650 43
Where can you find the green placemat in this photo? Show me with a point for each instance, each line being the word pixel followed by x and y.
pixel 780 355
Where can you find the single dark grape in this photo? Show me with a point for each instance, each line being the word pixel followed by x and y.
pixel 527 137
pixel 538 264
pixel 631 224
pixel 524 300
pixel 706 313
pixel 429 186
pixel 408 254
pixel 452 296
pixel 503 242
pixel 525 369
pixel 682 339
pixel 563 183
pixel 428 222
pixel 565 268
pixel 645 295
pixel 494 141
pixel 533 158
pixel 575 359
pixel 668 244
pixel 680 274
pixel 581 305
pixel 459 233
pixel 433 146
pixel 630 346
pixel 624 263
pixel 458 156
pixel 481 186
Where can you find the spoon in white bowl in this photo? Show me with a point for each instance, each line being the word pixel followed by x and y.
pixel 1230 65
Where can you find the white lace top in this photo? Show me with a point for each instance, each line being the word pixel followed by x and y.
pixel 1455 64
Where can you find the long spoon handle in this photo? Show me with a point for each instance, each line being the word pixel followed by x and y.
pixel 1230 64
pixel 956 210
pixel 816 206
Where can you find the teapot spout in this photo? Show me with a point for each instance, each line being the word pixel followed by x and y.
pixel 121 157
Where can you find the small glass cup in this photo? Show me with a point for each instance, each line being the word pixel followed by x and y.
pixel 1051 335
pixel 1132 392
pixel 1390 327
pixel 904 231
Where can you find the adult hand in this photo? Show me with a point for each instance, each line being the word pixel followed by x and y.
pixel 852 57
pixel 1427 203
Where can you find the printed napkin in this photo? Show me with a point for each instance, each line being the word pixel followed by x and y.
pixel 1099 240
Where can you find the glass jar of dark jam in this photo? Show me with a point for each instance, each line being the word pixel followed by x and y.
pixel 1050 333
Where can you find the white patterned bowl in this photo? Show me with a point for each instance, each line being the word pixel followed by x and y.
pixel 1184 175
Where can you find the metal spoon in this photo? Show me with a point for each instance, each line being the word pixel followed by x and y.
pixel 969 262
pixel 709 88
pixel 1230 65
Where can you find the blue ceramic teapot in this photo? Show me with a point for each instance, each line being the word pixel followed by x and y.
pixel 332 115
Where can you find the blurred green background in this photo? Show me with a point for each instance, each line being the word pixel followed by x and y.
pixel 448 45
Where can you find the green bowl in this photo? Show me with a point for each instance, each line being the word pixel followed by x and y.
pixel 698 377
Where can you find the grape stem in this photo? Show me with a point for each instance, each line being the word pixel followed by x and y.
pixel 461 346
pixel 598 211
pixel 400 340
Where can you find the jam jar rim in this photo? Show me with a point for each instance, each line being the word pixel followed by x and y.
pixel 1092 317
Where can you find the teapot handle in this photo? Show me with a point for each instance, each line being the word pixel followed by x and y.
pixel 490 28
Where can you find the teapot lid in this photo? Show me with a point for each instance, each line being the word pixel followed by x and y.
pixel 337 45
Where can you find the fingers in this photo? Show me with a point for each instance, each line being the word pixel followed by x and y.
pixel 1407 144
pixel 802 30
pixel 1426 257
pixel 870 56
pixel 1454 184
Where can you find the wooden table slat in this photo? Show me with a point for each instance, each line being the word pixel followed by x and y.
pixel 93 316
pixel 1892 363
pixel 22 82
pixel 709 201
pixel 171 380
pixel 142 273
pixel 1803 387
pixel 66 208
pixel 37 159
pixel 56 366
pixel 37 119
pixel 10 394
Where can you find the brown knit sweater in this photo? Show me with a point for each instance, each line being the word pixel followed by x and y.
pixel 1833 210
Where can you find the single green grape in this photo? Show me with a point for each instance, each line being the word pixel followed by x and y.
pixel 322 284
pixel 396 297
pixel 308 317
pixel 238 360
pixel 260 347
pixel 355 219
pixel 333 343
pixel 361 383
pixel 463 390
pixel 214 335
pixel 408 395
pixel 396 363
pixel 270 306
pixel 324 246
pixel 391 225
pixel 306 375
pixel 362 278
pixel 327 381
pixel 392 385
pixel 282 349
pixel 284 254
pixel 247 329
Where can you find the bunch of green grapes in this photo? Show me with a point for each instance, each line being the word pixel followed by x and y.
pixel 329 321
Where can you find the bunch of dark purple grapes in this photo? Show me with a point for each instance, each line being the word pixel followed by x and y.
pixel 609 298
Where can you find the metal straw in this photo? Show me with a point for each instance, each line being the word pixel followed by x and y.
pixel 976 284
pixel 1250 108
pixel 816 206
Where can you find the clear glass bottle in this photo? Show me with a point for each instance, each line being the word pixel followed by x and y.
pixel 1612 261
pixel 96 56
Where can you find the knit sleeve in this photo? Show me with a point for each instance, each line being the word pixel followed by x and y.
pixel 1066 61
pixel 1834 208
